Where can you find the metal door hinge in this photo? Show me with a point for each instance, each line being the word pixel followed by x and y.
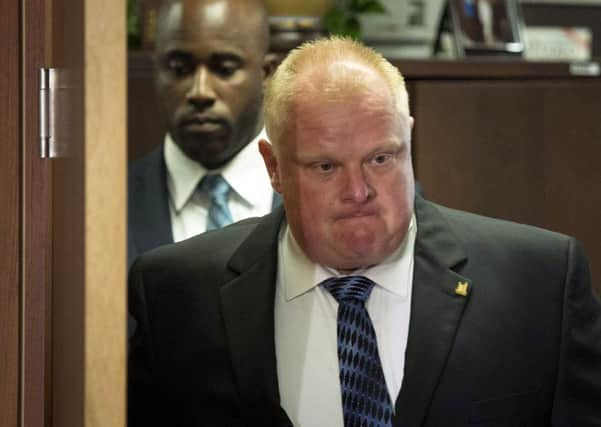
pixel 56 103
pixel 47 113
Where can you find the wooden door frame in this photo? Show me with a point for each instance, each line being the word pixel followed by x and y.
pixel 105 213
pixel 10 213
pixel 37 238
pixel 66 345
pixel 89 276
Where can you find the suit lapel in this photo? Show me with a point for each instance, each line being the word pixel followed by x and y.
pixel 248 310
pixel 149 216
pixel 436 310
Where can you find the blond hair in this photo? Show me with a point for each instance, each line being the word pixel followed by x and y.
pixel 337 67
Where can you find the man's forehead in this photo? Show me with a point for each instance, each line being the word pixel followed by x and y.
pixel 221 19
pixel 346 118
pixel 342 80
pixel 209 14
pixel 339 100
pixel 352 66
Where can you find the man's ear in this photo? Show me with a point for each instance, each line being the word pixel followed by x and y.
pixel 271 163
pixel 270 63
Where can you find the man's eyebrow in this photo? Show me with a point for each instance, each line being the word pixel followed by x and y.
pixel 176 52
pixel 227 56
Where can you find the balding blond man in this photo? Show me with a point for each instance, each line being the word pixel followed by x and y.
pixel 358 302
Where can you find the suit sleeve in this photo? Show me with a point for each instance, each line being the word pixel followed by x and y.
pixel 578 391
pixel 141 390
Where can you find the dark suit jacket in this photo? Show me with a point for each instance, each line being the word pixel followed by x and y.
pixel 148 217
pixel 523 348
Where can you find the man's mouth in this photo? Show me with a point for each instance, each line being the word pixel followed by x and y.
pixel 362 213
pixel 203 124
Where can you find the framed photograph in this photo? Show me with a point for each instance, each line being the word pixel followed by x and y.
pixel 407 29
pixel 487 27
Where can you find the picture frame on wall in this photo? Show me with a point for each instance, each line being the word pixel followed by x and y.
pixel 487 27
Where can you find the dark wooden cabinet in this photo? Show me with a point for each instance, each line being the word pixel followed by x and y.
pixel 520 142
pixel 513 140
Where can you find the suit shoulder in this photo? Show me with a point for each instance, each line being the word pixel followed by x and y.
pixel 495 226
pixel 208 250
pixel 152 160
pixel 487 235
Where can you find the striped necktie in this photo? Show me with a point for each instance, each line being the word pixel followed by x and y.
pixel 365 398
pixel 217 190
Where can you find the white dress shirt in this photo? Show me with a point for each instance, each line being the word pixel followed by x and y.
pixel 305 329
pixel 251 195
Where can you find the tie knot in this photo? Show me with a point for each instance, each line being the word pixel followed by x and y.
pixel 349 288
pixel 215 186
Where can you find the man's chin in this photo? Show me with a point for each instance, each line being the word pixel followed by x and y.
pixel 349 259
pixel 359 254
pixel 193 137
pixel 210 152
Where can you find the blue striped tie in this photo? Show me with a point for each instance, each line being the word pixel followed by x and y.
pixel 217 190
pixel 365 398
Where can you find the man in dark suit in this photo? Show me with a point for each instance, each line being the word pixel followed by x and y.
pixel 211 61
pixel 359 303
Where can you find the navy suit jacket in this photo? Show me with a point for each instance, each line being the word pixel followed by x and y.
pixel 148 217
pixel 522 347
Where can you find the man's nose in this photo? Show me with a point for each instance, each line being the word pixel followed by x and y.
pixel 357 188
pixel 202 93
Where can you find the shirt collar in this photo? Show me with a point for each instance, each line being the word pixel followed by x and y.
pixel 301 274
pixel 184 174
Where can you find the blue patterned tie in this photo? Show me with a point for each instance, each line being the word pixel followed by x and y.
pixel 217 190
pixel 365 398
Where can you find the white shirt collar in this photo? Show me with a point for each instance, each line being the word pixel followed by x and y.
pixel 184 174
pixel 302 275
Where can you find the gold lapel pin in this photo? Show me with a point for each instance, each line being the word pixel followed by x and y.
pixel 461 288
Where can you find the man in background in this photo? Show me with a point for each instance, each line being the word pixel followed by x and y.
pixel 360 303
pixel 211 62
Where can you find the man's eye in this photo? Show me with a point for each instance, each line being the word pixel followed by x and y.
pixel 382 158
pixel 324 167
pixel 178 66
pixel 226 68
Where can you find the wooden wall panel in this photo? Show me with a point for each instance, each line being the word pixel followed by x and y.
pixel 572 158
pixel 475 145
pixel 9 213
pixel 523 151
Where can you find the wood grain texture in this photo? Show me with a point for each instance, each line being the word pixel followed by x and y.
pixel 523 151
pixel 37 222
pixel 572 159
pixel 105 204
pixel 89 243
pixel 68 231
pixel 9 213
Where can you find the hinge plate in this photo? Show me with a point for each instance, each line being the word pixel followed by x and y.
pixel 56 99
